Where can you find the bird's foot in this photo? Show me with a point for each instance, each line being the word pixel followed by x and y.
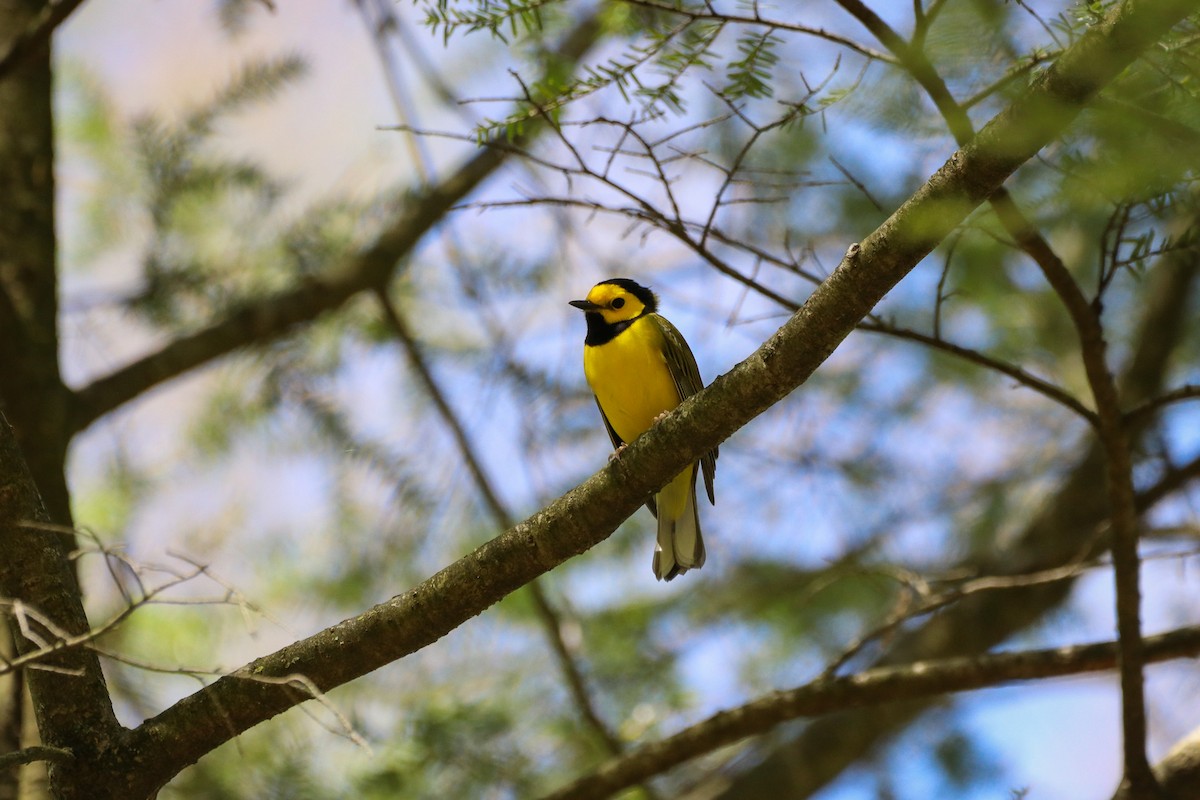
pixel 615 454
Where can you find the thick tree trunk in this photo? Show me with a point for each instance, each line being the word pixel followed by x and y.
pixel 33 396
pixel 35 567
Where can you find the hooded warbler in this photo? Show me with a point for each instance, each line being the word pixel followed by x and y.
pixel 639 367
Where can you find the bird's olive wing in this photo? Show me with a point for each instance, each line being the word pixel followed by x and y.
pixel 612 434
pixel 617 444
pixel 686 375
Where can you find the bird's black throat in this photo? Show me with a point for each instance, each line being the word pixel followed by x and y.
pixel 599 332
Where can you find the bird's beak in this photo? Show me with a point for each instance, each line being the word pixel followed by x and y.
pixel 585 305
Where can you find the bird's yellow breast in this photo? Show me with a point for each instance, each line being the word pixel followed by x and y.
pixel 630 378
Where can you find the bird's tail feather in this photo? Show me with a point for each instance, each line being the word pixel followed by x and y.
pixel 680 546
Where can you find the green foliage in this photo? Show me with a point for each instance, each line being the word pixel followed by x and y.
pixel 264 767
pixel 963 763
pixel 234 15
pixel 504 19
pixel 663 57
pixel 676 55
pixel 197 199
pixel 472 741
pixel 233 409
pixel 750 75
pixel 109 505
pixel 95 136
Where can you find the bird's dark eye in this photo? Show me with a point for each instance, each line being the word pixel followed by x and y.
pixel 618 303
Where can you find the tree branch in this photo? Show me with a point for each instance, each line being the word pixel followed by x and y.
pixel 923 679
pixel 56 755
pixel 1063 529
pixel 272 316
pixel 1178 773
pixel 1114 439
pixel 1021 376
pixel 73 707
pixel 707 13
pixel 1109 421
pixel 260 321
pixel 547 615
pixel 1177 395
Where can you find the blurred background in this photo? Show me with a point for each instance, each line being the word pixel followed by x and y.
pixel 212 154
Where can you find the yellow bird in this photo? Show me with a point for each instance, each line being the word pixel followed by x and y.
pixel 639 368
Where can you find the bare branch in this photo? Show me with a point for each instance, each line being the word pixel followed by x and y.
pixel 872 687
pixel 273 316
pixel 1024 378
pixel 72 705
pixel 51 639
pixel 706 13
pixel 260 321
pixel 548 615
pixel 931 601
pixel 308 690
pixel 29 755
pixel 1114 437
pixel 1176 395
pixel 1178 773
pixel 1110 427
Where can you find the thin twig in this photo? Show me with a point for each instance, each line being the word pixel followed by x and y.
pixel 258 321
pixel 54 755
pixel 694 13
pixel 865 689
pixel 1109 420
pixel 1114 437
pixel 1189 391
pixel 547 614
pixel 935 601
pixel 59 640
pixel 1043 387
pixel 857 183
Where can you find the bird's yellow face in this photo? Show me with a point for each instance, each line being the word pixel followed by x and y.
pixel 613 302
